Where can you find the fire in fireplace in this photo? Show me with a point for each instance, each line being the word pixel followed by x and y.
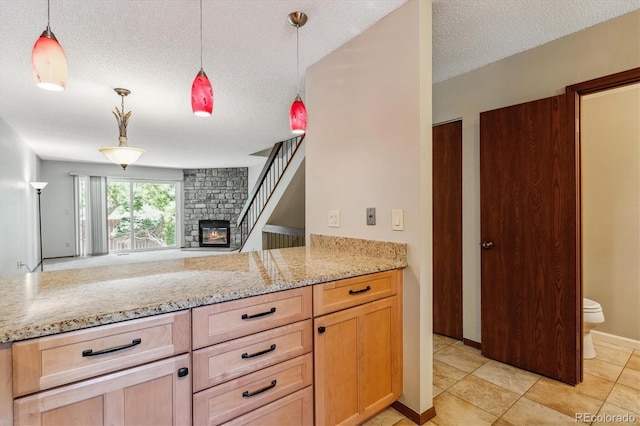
pixel 214 233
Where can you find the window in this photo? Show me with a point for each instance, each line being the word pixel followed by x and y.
pixel 141 215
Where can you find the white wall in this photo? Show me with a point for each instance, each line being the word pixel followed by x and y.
pixel 57 198
pixel 369 145
pixel 18 203
pixel 610 155
pixel 604 49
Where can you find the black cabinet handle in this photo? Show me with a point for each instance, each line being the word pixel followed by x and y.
pixel 261 314
pixel 321 330
pixel 266 351
pixel 90 352
pixel 184 371
pixel 364 290
pixel 247 394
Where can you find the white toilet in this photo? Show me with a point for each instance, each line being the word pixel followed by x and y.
pixel 592 316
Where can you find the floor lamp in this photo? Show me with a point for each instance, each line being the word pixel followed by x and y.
pixel 39 186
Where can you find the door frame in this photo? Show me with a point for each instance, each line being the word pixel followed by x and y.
pixel 574 93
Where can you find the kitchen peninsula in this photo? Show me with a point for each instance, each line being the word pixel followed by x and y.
pixel 294 281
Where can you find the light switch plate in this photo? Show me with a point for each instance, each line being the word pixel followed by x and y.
pixel 334 218
pixel 397 220
pixel 371 215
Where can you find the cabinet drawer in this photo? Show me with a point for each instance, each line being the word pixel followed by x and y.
pixel 336 295
pixel 229 320
pixel 52 361
pixel 225 361
pixel 234 398
pixel 292 410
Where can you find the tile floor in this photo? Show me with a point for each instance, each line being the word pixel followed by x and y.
pixel 470 389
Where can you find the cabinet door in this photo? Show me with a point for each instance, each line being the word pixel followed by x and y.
pixel 358 359
pixel 152 394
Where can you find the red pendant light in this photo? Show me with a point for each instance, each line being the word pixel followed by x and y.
pixel 48 61
pixel 298 117
pixel 201 89
pixel 298 112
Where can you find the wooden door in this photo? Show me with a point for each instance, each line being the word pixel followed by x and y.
pixel 447 229
pixel 151 394
pixel 531 297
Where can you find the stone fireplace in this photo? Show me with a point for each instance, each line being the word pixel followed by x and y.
pixel 213 195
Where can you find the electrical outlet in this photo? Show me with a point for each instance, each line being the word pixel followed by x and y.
pixel 334 218
pixel 371 215
pixel 67 244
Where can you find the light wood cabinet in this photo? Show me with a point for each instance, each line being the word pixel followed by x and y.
pixel 358 356
pixel 152 394
pixel 60 359
pixel 131 373
pixel 251 354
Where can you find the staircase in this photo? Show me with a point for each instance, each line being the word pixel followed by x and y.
pixel 275 166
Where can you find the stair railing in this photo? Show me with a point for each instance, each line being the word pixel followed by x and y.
pixel 277 162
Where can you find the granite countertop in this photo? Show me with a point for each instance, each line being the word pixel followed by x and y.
pixel 45 303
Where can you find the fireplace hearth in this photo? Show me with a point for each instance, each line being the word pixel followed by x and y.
pixel 214 233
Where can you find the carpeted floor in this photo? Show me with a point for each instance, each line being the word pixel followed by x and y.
pixel 60 263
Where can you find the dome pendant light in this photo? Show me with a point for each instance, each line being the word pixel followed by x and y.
pixel 201 90
pixel 48 62
pixel 298 112
pixel 122 154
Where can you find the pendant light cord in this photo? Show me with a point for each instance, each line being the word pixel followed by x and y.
pixel 297 60
pixel 48 14
pixel 201 35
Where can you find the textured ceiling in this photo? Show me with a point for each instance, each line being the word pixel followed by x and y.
pixel 151 47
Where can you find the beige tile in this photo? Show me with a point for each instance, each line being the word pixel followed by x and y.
pixel 460 358
pixel 625 397
pixel 388 417
pixel 511 378
pixel 527 412
pixel 451 410
pixel 630 377
pixel 612 415
pixel 603 369
pixel 445 376
pixel 634 361
pixel 562 397
pixel 614 356
pixel 494 399
pixel 501 422
pixel 595 387
pixel 437 391
pixel 636 352
pixel 443 339
pixel 460 345
pixel 405 422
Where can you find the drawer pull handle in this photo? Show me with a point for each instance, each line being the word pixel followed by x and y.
pixel 261 314
pixel 246 394
pixel 90 352
pixel 266 351
pixel 364 290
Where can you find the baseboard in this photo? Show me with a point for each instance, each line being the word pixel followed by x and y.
pixel 599 336
pixel 414 416
pixel 471 343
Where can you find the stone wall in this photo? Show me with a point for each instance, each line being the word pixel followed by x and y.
pixel 214 194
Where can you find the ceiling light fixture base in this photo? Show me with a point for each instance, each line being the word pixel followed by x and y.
pixel 297 19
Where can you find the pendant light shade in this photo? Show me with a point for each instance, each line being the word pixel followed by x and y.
pixel 298 117
pixel 48 61
pixel 298 112
pixel 201 89
pixel 202 95
pixel 122 154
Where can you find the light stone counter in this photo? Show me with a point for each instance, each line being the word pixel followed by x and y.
pixel 44 303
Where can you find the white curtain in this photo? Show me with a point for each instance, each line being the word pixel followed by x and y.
pixel 92 216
